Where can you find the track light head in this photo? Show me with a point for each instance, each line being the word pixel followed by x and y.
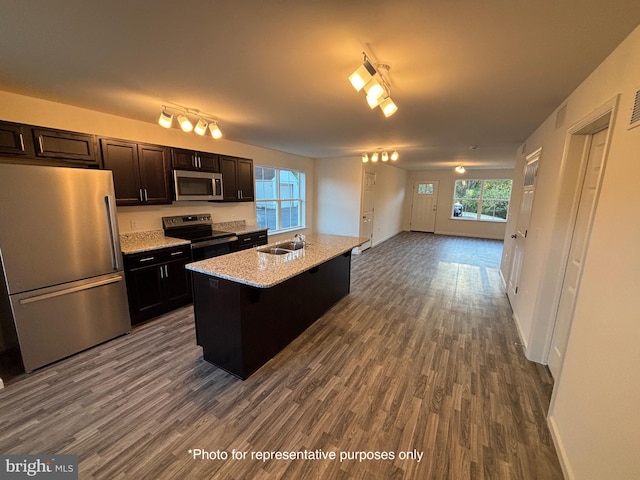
pixel 185 123
pixel 395 156
pixel 201 127
pixel 385 156
pixel 365 158
pixel 215 130
pixel 388 107
pixel 362 75
pixel 460 169
pixel 166 119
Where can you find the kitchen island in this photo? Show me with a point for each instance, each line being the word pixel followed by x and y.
pixel 249 305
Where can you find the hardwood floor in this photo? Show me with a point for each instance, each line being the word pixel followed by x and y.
pixel 421 357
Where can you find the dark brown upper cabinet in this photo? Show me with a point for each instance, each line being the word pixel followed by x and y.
pixel 140 171
pixel 15 139
pixel 64 145
pixel 237 179
pixel 191 160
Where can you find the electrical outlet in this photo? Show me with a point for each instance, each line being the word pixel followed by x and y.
pixel 134 225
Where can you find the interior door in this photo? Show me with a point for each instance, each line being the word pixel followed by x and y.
pixel 366 225
pixel 522 225
pixel 578 250
pixel 424 206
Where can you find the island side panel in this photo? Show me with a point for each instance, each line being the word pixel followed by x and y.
pixel 241 327
pixel 216 306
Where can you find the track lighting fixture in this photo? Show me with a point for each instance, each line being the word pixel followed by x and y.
pixel 204 121
pixel 383 155
pixel 370 76
pixel 460 169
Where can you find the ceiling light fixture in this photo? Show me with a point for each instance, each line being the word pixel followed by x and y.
pixel 380 154
pixel 460 169
pixel 203 121
pixel 372 77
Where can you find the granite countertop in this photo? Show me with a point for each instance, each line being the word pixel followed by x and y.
pixel 137 242
pixel 264 270
pixel 239 227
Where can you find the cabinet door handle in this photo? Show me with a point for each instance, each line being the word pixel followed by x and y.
pixel 199 162
pixel 22 141
pixel 146 197
pixel 166 271
pixel 41 143
pixel 176 253
pixel 193 161
pixel 141 197
pixel 146 259
pixel 161 271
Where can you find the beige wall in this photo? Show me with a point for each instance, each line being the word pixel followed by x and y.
pixel 339 197
pixel 22 109
pixel 594 415
pixel 445 224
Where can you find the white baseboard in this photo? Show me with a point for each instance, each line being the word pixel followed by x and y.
pixel 469 235
pixel 560 450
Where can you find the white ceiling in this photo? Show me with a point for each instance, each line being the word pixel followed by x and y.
pixel 274 72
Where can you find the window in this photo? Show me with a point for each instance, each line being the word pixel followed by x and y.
pixel 279 198
pixel 482 200
pixel 425 189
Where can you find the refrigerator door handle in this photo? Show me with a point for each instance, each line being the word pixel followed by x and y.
pixel 115 240
pixel 65 291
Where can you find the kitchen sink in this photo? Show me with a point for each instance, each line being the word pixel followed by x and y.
pixel 275 250
pixel 291 245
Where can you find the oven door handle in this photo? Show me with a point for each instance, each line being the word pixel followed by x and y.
pixel 215 241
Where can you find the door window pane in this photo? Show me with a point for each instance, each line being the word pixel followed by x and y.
pixel 425 189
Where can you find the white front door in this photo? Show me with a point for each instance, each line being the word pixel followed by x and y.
pixel 522 225
pixel 424 205
pixel 577 252
pixel 366 225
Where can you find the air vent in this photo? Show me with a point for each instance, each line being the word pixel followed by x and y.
pixel 523 149
pixel 561 116
pixel 635 113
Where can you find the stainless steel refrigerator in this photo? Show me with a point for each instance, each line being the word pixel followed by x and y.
pixel 64 287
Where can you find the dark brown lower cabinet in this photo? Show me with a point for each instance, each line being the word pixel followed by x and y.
pixel 241 327
pixel 157 282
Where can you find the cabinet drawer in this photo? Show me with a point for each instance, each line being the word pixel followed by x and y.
pixel 251 240
pixel 156 257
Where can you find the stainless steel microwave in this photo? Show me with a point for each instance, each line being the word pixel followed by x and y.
pixel 197 185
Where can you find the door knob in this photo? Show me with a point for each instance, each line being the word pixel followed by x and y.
pixel 514 235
